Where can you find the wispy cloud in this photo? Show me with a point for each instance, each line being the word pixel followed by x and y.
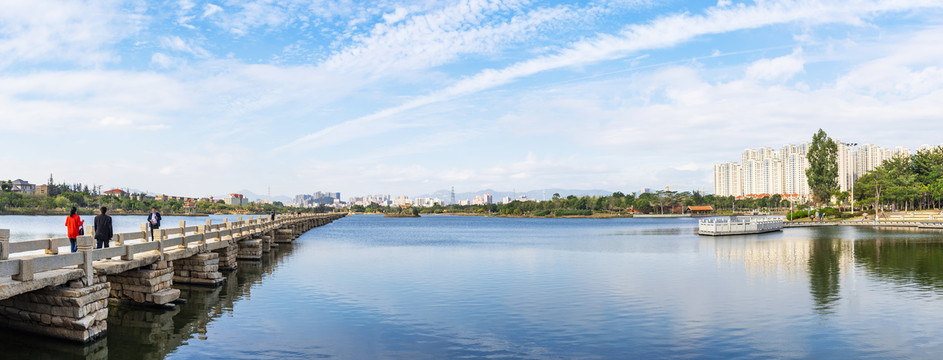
pixel 663 32
pixel 59 31
pixel 615 94
pixel 434 38
pixel 175 43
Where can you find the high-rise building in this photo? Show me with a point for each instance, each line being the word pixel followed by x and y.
pixel 847 173
pixel 764 171
pixel 761 172
pixel 727 179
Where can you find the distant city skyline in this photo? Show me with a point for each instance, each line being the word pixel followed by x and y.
pixel 196 97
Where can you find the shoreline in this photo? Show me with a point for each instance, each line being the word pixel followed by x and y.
pixel 593 216
pixel 92 213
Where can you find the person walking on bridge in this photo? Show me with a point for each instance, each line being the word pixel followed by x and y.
pixel 73 223
pixel 154 221
pixel 103 230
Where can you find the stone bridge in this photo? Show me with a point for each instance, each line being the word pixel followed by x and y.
pixel 66 295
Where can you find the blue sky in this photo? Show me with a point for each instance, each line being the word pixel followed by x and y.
pixel 208 97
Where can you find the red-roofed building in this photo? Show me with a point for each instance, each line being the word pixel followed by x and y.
pixel 696 209
pixel 117 192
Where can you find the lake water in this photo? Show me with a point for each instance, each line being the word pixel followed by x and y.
pixel 444 287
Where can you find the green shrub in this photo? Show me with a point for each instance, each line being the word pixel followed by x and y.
pixel 542 213
pixel 797 215
pixel 563 212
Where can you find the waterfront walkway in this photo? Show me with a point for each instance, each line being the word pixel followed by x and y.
pixel 66 295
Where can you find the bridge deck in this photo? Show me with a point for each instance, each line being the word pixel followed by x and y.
pixel 23 270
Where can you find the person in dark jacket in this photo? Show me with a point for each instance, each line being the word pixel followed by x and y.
pixel 154 221
pixel 103 230
pixel 273 215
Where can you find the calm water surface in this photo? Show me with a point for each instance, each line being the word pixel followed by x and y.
pixel 442 287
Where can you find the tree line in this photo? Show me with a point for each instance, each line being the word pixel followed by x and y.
pixel 61 197
pixel 619 203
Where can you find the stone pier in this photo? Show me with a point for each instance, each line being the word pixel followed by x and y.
pixel 227 257
pixel 199 269
pixel 250 249
pixel 283 236
pixel 266 243
pixel 149 285
pixel 74 311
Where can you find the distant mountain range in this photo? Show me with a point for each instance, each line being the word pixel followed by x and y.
pixel 446 195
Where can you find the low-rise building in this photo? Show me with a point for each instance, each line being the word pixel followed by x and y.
pixel 117 192
pixel 23 186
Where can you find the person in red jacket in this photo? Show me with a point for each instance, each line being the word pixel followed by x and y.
pixel 72 224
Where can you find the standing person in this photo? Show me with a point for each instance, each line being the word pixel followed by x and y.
pixel 72 224
pixel 273 215
pixel 103 230
pixel 154 221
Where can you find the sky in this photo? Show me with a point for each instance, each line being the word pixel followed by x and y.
pixel 202 98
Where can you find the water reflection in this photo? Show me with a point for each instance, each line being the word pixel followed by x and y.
pixel 903 262
pixel 777 257
pixel 824 271
pixel 153 334
pixel 18 345
pixel 149 333
pixel 911 259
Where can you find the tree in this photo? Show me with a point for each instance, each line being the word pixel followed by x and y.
pixel 642 205
pixel 871 186
pixel 822 173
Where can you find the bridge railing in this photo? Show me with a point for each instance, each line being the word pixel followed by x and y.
pixel 24 268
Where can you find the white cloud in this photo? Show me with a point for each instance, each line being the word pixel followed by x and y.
pixel 245 16
pixel 624 125
pixel 211 9
pixel 113 121
pixel 434 38
pixel 777 69
pixel 164 61
pixel 175 43
pixel 42 31
pixel 911 68
pixel 395 16
pixel 660 33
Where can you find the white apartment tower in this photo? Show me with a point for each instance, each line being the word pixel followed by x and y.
pixel 795 163
pixel 761 172
pixel 847 173
pixel 727 179
pixel 764 171
pixel 869 157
